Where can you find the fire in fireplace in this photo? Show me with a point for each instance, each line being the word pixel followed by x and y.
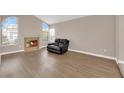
pixel 31 43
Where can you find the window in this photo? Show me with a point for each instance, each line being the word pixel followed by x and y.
pixel 52 35
pixel 45 30
pixel 9 29
pixel 48 33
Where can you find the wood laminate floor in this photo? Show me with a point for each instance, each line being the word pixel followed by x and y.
pixel 44 64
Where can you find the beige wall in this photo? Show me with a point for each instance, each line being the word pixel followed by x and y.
pixel 120 37
pixel 117 37
pixel 91 34
pixel 29 26
pixel 120 42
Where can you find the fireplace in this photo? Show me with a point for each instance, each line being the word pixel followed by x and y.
pixel 31 43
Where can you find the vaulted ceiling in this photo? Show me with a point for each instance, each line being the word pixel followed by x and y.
pixel 53 19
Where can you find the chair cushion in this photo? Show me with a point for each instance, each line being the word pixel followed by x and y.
pixel 61 45
pixel 54 47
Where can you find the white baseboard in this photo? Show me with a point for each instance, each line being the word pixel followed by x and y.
pixel 93 54
pixel 116 60
pixel 120 61
pixel 83 52
pixel 43 47
pixel 121 67
pixel 5 53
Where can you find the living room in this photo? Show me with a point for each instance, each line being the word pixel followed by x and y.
pixel 61 46
pixel 94 49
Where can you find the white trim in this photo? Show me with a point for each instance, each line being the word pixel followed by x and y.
pixel 93 54
pixel 120 61
pixel 121 67
pixel 83 52
pixel 43 47
pixel 116 60
pixel 5 53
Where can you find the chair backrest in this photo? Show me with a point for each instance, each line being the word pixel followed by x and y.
pixel 64 41
pixel 57 40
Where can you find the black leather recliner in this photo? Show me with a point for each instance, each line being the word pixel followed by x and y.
pixel 60 46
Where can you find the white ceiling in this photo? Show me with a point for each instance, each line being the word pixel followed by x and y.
pixel 52 19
